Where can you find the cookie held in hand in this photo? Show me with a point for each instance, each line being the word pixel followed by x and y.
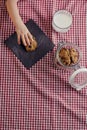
pixel 32 46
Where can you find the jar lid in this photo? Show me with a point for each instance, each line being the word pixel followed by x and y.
pixel 78 79
pixel 62 21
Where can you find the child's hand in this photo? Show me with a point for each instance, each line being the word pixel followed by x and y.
pixel 23 34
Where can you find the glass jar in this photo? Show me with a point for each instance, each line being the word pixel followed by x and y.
pixel 65 59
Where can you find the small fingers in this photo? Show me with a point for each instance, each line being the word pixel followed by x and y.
pixel 19 39
pixel 23 40
pixel 27 40
pixel 30 36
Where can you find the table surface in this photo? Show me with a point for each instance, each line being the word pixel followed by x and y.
pixel 41 98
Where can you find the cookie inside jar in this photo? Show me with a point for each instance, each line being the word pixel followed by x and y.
pixel 68 55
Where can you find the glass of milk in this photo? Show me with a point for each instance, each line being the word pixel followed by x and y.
pixel 62 20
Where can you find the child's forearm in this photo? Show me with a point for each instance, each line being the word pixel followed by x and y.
pixel 20 28
pixel 14 12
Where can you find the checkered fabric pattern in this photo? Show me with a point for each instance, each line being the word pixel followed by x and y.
pixel 41 98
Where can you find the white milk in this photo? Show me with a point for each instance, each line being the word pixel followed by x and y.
pixel 62 20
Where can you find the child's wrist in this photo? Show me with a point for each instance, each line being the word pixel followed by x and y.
pixel 18 23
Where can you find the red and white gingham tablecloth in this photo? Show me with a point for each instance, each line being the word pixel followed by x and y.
pixel 41 98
